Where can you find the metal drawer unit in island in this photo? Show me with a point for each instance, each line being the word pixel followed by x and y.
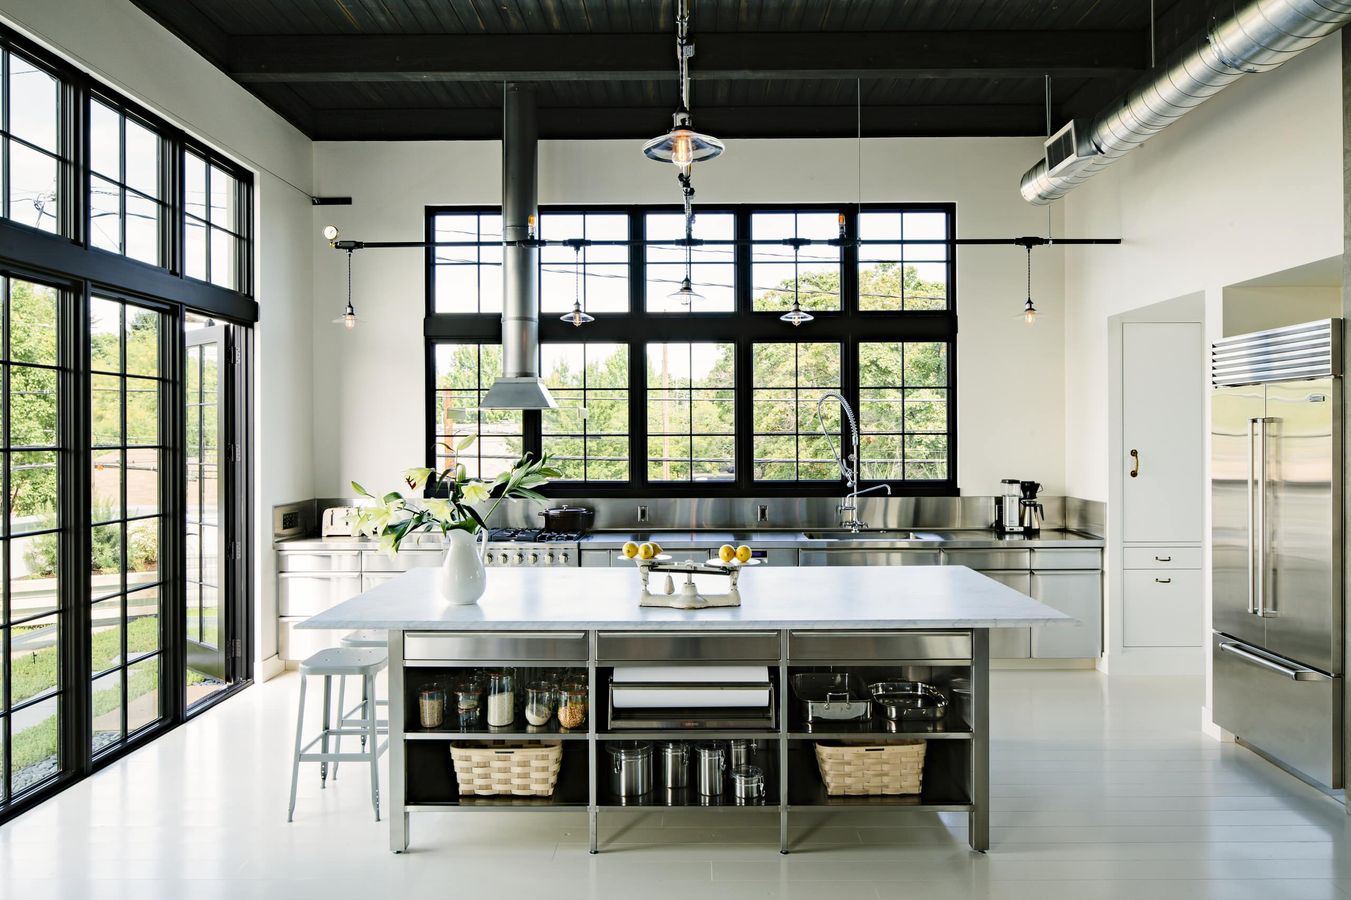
pixel 956 770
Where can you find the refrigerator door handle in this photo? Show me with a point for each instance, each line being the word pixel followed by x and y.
pixel 1252 522
pixel 1266 606
pixel 1294 673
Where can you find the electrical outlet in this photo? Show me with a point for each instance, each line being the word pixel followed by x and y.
pixel 762 513
pixel 642 514
pixel 290 520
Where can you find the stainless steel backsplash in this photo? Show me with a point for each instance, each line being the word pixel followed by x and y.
pixel 743 513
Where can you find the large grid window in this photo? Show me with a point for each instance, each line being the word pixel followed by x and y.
pixel 588 434
pixel 903 411
pixel 712 265
pixel 464 372
pixel 126 393
pixel 31 689
pixel 126 178
pixel 786 381
pixel 603 286
pixel 30 143
pixel 813 271
pixel 214 223
pixel 468 279
pixel 908 272
pixel 691 412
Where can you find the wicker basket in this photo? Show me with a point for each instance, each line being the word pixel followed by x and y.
pixel 895 768
pixel 519 768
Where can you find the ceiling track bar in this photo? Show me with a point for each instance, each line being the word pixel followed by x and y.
pixel 697 242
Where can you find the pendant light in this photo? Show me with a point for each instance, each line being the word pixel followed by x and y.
pixel 348 319
pixel 577 317
pixel 686 295
pixel 1029 310
pixel 682 145
pixel 797 315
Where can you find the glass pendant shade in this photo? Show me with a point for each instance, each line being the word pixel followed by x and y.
pixel 577 317
pixel 797 315
pixel 685 294
pixel 348 319
pixel 682 145
pixel 1029 313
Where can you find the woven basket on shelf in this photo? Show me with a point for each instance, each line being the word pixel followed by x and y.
pixel 895 768
pixel 519 768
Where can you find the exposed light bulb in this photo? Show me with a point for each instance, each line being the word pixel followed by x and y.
pixel 797 315
pixel 685 295
pixel 682 149
pixel 330 233
pixel 1029 313
pixel 577 317
pixel 348 319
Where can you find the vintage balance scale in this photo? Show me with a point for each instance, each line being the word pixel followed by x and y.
pixel 688 596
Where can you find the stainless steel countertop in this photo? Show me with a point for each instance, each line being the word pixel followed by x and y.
pixel 900 539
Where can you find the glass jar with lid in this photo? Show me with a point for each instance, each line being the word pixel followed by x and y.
pixel 573 698
pixel 501 697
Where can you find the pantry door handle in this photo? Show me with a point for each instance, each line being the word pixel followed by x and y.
pixel 1135 466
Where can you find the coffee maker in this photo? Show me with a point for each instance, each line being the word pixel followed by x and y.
pixel 1031 513
pixel 1007 513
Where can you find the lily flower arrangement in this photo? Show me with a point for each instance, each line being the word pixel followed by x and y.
pixel 445 501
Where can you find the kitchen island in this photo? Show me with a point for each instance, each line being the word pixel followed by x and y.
pixel 882 620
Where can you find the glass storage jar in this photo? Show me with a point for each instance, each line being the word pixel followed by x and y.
pixel 539 702
pixel 431 707
pixel 501 697
pixel 572 703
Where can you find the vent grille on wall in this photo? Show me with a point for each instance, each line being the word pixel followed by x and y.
pixel 1311 350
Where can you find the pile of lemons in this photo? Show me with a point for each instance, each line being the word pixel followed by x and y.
pixel 651 550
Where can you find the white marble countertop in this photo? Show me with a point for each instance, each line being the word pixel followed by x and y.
pixel 772 597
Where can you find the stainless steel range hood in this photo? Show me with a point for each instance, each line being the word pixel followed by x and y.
pixel 519 386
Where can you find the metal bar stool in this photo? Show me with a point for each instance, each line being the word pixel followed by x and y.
pixel 357 714
pixel 340 662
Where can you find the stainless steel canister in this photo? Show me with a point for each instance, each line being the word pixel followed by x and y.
pixel 748 783
pixel 710 761
pixel 630 768
pixel 743 752
pixel 673 764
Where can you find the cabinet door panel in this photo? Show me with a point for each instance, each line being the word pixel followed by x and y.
pixel 1011 643
pixel 1162 608
pixel 1077 594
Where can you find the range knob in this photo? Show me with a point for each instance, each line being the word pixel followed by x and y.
pixel 520 559
pixel 501 559
pixel 548 559
pixel 534 558
pixel 563 557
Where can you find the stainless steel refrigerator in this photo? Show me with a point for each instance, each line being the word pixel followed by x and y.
pixel 1276 545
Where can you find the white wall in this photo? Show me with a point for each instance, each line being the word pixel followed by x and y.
pixel 369 408
pixel 118 43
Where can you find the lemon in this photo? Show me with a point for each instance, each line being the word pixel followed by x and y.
pixel 743 553
pixel 630 550
pixel 645 551
pixel 726 552
pixel 656 548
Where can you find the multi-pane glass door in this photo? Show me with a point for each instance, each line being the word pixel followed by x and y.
pixel 204 577
pixel 127 388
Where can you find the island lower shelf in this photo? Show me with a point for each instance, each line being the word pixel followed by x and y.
pixel 955 768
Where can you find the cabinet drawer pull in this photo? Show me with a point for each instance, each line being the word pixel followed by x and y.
pixel 1163 559
pixel 1163 581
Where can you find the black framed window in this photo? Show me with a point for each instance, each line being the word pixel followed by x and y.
pixel 691 411
pixel 904 411
pixel 215 222
pixel 603 285
pixel 721 394
pixel 910 270
pixel 588 434
pixel 467 279
pixel 786 381
pixel 127 388
pixel 127 181
pixel 32 690
pixel 712 264
pixel 463 374
pixel 811 269
pixel 31 155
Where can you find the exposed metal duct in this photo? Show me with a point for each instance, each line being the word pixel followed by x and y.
pixel 1258 37
pixel 519 386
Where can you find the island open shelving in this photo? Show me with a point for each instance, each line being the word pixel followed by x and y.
pixel 927 624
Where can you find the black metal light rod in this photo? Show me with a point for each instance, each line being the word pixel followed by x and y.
pixel 1026 241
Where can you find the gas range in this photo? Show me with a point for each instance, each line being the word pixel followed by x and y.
pixel 533 547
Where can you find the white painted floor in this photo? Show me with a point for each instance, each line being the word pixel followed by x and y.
pixel 1102 788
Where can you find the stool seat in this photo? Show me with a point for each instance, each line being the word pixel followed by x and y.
pixel 367 637
pixel 345 661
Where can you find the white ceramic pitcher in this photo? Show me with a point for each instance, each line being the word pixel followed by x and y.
pixel 462 579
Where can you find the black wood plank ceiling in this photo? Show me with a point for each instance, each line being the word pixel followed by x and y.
pixel 434 69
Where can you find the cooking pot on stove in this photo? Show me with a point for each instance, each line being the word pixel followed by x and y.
pixel 568 518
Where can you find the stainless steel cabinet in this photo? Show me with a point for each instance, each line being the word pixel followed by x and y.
pixel 1011 643
pixel 1077 594
pixel 307 593
pixel 869 557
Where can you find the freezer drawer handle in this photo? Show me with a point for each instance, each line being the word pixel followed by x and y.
pixel 1295 673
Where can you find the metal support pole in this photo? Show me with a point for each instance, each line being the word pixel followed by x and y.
pixel 978 819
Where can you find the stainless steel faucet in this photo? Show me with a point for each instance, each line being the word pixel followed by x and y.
pixel 849 467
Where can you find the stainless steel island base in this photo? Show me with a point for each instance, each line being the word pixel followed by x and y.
pixel 885 623
pixel 957 755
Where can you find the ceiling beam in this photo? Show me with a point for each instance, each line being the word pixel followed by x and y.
pixel 724 56
pixel 983 120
